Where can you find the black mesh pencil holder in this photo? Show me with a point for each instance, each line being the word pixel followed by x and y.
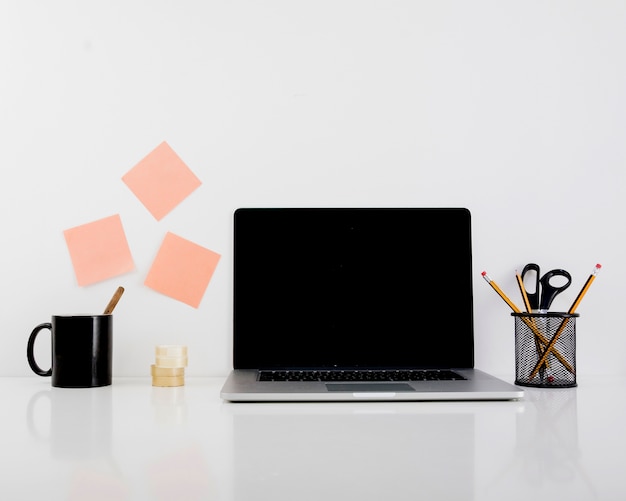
pixel 545 349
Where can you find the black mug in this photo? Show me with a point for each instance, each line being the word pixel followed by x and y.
pixel 82 350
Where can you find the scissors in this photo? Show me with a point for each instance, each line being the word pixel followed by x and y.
pixel 545 292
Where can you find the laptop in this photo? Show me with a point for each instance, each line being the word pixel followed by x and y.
pixel 342 304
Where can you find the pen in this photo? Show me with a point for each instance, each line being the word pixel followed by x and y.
pixel 527 321
pixel 571 310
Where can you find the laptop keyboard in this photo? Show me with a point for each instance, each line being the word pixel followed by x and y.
pixel 359 375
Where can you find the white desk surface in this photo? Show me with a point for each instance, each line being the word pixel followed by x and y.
pixel 131 441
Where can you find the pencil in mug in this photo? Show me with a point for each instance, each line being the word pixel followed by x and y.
pixel 114 300
pixel 527 321
pixel 572 309
pixel 522 289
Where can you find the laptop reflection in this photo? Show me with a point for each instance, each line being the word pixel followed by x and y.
pixel 335 451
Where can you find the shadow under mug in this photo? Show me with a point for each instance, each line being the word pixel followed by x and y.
pixel 82 350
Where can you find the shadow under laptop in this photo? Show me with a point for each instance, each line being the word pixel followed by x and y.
pixel 347 451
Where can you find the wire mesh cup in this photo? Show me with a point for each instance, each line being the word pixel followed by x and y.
pixel 545 349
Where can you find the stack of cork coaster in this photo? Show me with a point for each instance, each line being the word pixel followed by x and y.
pixel 169 369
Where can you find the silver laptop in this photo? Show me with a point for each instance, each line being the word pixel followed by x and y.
pixel 355 304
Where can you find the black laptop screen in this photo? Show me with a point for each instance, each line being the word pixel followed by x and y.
pixel 369 288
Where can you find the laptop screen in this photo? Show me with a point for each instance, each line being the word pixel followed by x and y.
pixel 346 288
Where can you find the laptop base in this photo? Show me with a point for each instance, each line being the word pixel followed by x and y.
pixel 242 385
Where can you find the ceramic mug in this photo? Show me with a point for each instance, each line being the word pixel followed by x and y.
pixel 82 350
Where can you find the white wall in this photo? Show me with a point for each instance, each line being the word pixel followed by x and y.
pixel 516 110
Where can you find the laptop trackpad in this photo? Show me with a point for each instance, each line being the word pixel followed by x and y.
pixel 369 387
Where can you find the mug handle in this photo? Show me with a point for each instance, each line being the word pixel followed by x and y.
pixel 30 348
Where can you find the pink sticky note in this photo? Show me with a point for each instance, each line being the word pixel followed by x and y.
pixel 182 270
pixel 99 250
pixel 161 181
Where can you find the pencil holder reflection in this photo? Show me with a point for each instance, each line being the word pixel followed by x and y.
pixel 545 349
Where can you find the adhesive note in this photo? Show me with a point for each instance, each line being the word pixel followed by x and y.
pixel 161 181
pixel 99 250
pixel 182 270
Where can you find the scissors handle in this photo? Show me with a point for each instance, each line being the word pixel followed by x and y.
pixel 533 297
pixel 548 291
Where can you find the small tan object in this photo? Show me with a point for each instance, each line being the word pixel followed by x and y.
pixel 170 350
pixel 169 367
pixel 167 371
pixel 171 362
pixel 166 381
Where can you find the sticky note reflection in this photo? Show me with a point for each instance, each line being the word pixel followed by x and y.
pixel 99 250
pixel 161 181
pixel 182 270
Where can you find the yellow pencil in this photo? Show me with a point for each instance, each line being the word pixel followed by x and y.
pixel 583 291
pixel 572 309
pixel 500 293
pixel 520 283
pixel 527 321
